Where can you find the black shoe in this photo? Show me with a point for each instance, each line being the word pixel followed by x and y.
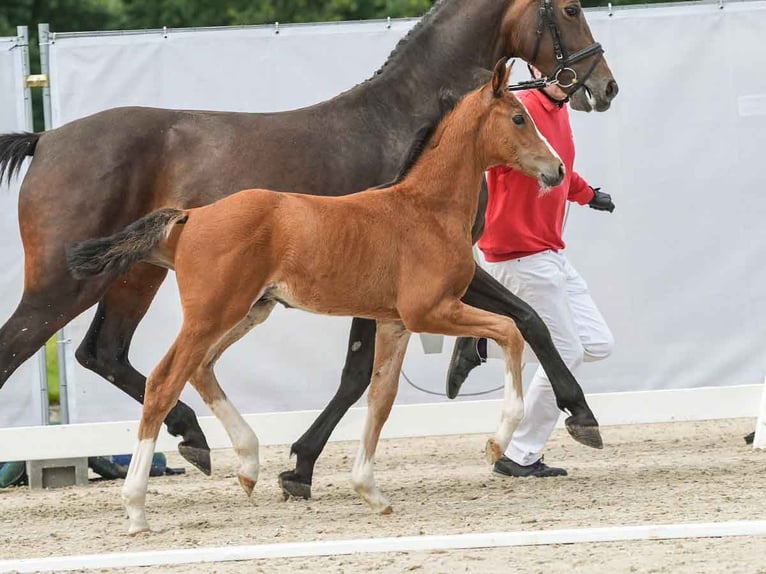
pixel 466 356
pixel 750 438
pixel 506 467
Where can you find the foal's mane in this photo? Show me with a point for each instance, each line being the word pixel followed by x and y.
pixel 447 102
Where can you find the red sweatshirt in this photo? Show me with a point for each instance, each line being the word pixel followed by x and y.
pixel 520 221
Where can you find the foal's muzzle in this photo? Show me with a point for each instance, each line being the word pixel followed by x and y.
pixel 552 179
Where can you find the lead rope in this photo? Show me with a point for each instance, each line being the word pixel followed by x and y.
pixel 438 394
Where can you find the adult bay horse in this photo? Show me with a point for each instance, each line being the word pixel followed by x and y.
pixel 120 164
pixel 401 256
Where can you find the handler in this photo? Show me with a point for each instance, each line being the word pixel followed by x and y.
pixel 523 249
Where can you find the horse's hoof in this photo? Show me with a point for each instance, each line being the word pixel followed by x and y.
pixel 247 484
pixel 199 457
pixel 589 435
pixel 292 485
pixel 387 510
pixel 492 451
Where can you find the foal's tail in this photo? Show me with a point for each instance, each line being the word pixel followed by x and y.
pixel 14 148
pixel 118 252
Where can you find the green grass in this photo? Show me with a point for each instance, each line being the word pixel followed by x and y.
pixel 52 362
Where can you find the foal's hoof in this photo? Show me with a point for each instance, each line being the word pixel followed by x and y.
pixel 492 451
pixel 138 532
pixel 587 434
pixel 293 485
pixel 198 456
pixel 247 484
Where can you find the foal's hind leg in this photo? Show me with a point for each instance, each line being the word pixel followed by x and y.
pixel 163 387
pixel 243 439
pixel 354 381
pixel 197 345
pixel 105 348
pixel 390 345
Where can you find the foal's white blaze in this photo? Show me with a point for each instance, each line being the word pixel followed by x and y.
pixel 364 482
pixel 543 188
pixel 136 482
pixel 243 439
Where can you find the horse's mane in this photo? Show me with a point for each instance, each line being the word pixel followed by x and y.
pixel 424 21
pixel 447 102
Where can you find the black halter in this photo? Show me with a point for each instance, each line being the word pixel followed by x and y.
pixel 564 59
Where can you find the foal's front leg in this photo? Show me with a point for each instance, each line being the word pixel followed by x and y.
pixel 390 345
pixel 453 317
pixel 486 293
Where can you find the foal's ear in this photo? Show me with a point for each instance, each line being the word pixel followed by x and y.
pixel 500 77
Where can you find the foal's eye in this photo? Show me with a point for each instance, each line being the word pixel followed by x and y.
pixel 572 10
pixel 518 119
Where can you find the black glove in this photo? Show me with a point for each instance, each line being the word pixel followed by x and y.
pixel 601 201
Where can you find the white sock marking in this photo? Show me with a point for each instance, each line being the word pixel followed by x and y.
pixel 512 413
pixel 243 438
pixel 136 483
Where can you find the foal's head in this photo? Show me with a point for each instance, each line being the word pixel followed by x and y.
pixel 507 134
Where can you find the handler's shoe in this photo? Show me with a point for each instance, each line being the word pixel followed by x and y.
pixel 467 355
pixel 506 467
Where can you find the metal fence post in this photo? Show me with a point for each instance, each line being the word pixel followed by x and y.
pixel 62 339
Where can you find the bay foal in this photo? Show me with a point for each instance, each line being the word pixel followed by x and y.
pixel 400 255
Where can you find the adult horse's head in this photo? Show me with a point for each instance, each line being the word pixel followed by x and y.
pixel 510 137
pixel 554 36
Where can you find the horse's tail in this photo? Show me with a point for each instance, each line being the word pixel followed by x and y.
pixel 14 148
pixel 118 252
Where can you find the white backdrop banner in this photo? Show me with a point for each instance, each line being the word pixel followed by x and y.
pixel 675 269
pixel 19 398
pixel 678 268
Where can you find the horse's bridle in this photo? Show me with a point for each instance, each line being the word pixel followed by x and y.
pixel 564 60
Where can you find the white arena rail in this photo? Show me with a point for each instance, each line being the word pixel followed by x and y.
pixel 463 417
pixel 378 545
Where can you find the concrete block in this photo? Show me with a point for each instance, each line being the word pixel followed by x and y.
pixel 57 473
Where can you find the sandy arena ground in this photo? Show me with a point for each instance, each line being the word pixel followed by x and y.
pixel 652 474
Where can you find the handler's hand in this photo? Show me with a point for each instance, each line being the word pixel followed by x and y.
pixel 601 201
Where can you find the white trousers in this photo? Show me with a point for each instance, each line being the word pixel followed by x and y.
pixel 549 283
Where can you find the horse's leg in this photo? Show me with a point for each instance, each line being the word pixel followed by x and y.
pixel 390 345
pixel 486 293
pixel 105 348
pixel 453 317
pixel 354 381
pixel 243 439
pixel 46 306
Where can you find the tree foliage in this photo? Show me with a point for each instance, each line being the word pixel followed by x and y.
pixel 83 15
